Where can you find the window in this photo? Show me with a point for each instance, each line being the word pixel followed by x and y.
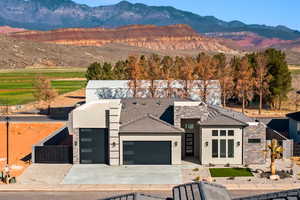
pixel 215 133
pixel 223 133
pixel 223 148
pixel 231 133
pixel 230 148
pixel 215 149
pixel 189 126
pixel 255 140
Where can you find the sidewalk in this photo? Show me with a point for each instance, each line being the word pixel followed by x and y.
pixel 140 187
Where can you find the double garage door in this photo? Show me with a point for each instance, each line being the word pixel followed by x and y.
pixel 147 153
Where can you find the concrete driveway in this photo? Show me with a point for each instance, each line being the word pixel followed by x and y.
pixel 103 174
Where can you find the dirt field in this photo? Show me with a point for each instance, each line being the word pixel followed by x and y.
pixel 22 135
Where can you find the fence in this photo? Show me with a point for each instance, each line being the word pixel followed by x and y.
pixel 55 154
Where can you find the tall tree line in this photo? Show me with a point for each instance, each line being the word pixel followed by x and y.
pixel 261 76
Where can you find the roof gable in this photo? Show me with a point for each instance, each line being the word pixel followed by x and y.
pixel 294 116
pixel 217 118
pixel 149 124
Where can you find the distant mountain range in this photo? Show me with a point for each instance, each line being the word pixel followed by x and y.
pixel 53 14
pixel 61 32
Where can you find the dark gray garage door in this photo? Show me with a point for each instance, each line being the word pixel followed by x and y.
pixel 147 153
pixel 93 146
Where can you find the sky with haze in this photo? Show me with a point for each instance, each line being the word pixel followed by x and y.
pixel 269 12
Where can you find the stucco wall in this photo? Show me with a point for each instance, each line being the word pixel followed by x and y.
pixel 207 150
pixel 100 114
pixel 176 149
pixel 253 152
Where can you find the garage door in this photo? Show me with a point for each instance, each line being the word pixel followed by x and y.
pixel 93 146
pixel 147 153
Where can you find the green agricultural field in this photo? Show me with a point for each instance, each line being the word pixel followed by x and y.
pixel 16 86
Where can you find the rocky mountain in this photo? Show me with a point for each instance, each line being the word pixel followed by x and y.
pixel 247 40
pixel 53 14
pixel 172 37
pixel 18 53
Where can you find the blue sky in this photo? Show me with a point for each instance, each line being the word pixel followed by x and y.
pixel 269 12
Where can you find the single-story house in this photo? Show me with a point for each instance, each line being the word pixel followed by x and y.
pixel 119 89
pixel 163 131
pixel 294 126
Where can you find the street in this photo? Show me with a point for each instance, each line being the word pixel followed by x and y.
pixel 98 195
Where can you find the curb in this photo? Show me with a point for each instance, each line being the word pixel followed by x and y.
pixel 126 187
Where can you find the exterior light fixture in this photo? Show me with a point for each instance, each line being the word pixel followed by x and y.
pixel 114 144
pixel 176 143
pixel 75 143
pixel 238 143
pixel 206 144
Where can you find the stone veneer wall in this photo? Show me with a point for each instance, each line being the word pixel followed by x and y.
pixel 76 159
pixel 253 152
pixel 188 110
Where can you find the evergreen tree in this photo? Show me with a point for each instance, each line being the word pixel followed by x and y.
pixel 281 81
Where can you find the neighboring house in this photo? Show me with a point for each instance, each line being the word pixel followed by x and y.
pixel 119 89
pixel 154 131
pixel 294 126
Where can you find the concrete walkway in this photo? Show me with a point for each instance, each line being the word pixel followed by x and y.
pixel 103 174
pixel 48 174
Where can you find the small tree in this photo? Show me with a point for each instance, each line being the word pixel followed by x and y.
pixel 135 72
pixel 225 75
pixel 44 91
pixel 167 73
pixel 205 70
pixel 97 71
pixel 262 78
pixel 244 82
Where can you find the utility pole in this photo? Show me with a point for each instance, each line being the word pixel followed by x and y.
pixel 7 140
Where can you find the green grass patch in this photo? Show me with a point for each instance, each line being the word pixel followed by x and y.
pixel 230 172
pixel 16 86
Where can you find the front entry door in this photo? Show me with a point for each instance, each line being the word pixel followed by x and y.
pixel 189 144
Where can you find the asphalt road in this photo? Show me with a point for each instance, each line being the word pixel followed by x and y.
pixel 97 195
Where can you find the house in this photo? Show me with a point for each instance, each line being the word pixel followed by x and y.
pixel 294 126
pixel 119 89
pixel 163 131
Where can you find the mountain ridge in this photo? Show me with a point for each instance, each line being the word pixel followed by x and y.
pixel 53 14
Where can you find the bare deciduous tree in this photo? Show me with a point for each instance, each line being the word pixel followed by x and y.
pixel 205 70
pixel 244 82
pixel 262 78
pixel 44 91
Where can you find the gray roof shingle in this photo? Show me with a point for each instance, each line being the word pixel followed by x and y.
pixel 149 124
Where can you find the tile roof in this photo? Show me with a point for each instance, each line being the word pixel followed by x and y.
pixel 149 124
pixel 135 196
pixel 234 114
pixel 295 116
pixel 218 116
pixel 134 108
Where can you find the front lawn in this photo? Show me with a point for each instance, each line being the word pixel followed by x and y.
pixel 230 172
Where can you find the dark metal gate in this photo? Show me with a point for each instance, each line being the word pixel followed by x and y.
pixel 54 154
